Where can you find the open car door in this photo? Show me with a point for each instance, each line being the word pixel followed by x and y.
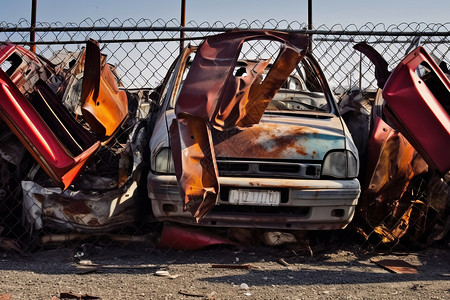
pixel 418 103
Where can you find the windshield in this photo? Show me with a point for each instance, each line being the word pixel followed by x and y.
pixel 303 90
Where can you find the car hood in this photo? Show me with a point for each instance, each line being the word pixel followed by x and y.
pixel 282 137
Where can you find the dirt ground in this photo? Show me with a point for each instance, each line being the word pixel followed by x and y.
pixel 134 272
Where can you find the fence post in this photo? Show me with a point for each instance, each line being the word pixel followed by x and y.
pixel 310 25
pixel 183 23
pixel 33 25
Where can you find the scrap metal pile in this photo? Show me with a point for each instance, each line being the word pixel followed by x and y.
pixel 406 195
pixel 227 142
pixel 80 132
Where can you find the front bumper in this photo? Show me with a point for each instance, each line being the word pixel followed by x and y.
pixel 305 205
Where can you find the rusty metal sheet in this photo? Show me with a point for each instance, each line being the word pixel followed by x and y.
pixel 396 165
pixel 197 172
pixel 396 265
pixel 211 91
pixel 104 106
pixel 392 164
pixel 212 96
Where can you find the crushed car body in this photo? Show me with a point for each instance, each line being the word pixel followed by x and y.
pixel 85 139
pixel 36 116
pixel 405 196
pixel 419 90
pixel 250 142
pixel 32 106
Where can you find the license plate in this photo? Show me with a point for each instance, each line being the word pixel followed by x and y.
pixel 254 197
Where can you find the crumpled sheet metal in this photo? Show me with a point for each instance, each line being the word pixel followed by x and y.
pixel 414 105
pixel 211 91
pixel 62 166
pixel 393 202
pixel 104 106
pixel 36 115
pixel 197 169
pixel 93 207
pixel 392 164
pixel 212 96
pixel 77 210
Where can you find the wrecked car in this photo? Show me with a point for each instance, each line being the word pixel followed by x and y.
pixel 83 132
pixel 419 89
pixel 35 113
pixel 251 142
pixel 405 194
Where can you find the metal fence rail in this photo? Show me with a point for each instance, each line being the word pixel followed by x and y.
pixel 142 51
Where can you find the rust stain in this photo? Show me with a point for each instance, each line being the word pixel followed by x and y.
pixel 260 141
pixel 386 195
pixel 39 198
pixel 76 207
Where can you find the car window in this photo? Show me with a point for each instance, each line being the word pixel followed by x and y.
pixel 6 65
pixel 10 65
pixel 177 88
pixel 303 90
pixel 435 84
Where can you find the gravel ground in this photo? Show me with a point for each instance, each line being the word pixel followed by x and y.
pixel 273 273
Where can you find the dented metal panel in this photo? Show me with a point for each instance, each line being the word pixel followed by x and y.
pixel 30 127
pixel 413 94
pixel 281 137
pixel 195 164
pixel 81 211
pixel 104 106
pixel 392 164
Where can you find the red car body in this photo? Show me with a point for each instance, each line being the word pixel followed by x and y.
pixel 39 120
pixel 32 110
pixel 419 107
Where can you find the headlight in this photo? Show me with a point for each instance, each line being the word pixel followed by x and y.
pixel 164 162
pixel 340 164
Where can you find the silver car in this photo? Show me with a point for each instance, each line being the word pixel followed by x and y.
pixel 242 141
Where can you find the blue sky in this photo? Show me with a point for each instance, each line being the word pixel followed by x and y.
pixel 326 12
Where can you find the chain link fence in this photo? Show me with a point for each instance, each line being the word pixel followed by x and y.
pixel 141 52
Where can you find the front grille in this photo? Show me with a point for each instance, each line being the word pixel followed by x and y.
pixel 268 169
pixel 277 168
pixel 266 210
